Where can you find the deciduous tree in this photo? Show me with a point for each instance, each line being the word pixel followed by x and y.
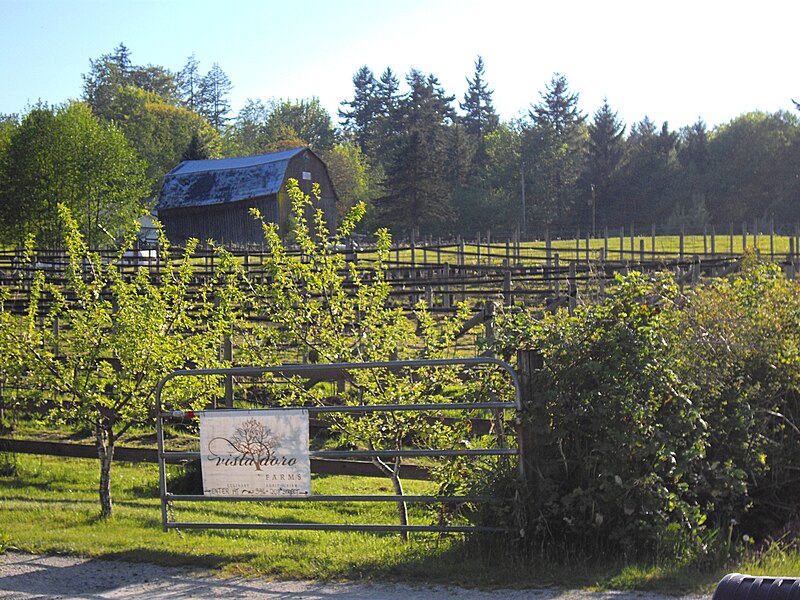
pixel 67 155
pixel 121 335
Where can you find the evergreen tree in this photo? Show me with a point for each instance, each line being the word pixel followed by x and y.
pixel 693 147
pixel 648 177
pixel 552 153
pixel 359 122
pixel 248 134
pixel 606 149
pixel 558 108
pixel 387 120
pixel 214 104
pixel 388 88
pixel 480 117
pixel 106 76
pixel 189 83
pixel 158 80
pixel 418 194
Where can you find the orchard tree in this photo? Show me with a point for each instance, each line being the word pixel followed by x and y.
pixel 121 335
pixel 339 312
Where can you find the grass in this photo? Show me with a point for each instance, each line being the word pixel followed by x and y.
pixel 662 247
pixel 50 507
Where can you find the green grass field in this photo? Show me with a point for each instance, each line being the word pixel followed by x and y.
pixel 50 507
pixel 640 247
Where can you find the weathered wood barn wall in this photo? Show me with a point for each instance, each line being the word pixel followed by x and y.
pixel 211 199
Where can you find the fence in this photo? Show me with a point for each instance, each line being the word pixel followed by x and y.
pixel 547 274
pixel 500 448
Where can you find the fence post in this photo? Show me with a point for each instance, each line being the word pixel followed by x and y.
pixel 534 428
pixel 713 242
pixel 489 311
pixel 555 275
pixel 744 236
pixel 653 241
pixel 633 245
pixel 227 355
pixel 547 248
pixel 508 299
pixel 573 288
pixel 601 270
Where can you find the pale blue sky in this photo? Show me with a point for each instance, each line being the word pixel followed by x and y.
pixel 673 60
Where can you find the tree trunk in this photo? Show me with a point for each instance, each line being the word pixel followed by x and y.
pixel 394 475
pixel 402 507
pixel 105 452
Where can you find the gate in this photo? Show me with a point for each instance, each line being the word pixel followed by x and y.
pixel 505 444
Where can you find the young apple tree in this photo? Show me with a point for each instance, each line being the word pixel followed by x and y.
pixel 102 339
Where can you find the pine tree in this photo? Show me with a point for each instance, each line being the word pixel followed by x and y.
pixel 106 76
pixel 387 125
pixel 418 192
pixel 360 121
pixel 189 83
pixel 606 147
pixel 553 149
pixel 214 104
pixel 480 118
pixel 558 108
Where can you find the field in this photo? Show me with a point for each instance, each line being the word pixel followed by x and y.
pixel 49 505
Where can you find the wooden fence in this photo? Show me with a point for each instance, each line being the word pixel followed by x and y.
pixel 541 273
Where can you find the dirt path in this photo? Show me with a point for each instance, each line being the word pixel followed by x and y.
pixel 27 577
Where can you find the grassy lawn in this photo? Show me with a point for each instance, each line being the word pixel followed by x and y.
pixel 665 247
pixel 50 506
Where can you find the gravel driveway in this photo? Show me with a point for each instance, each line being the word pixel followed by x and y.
pixel 28 577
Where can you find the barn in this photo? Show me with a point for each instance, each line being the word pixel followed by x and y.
pixel 211 199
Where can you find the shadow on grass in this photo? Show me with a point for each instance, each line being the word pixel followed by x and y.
pixel 164 558
pixel 494 561
pixel 13 483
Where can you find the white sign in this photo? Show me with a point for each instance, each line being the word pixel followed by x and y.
pixel 255 453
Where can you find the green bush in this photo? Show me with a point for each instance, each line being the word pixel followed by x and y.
pixel 670 418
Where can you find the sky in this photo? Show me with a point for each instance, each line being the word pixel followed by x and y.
pixel 670 60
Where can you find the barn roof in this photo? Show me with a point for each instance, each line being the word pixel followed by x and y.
pixel 205 182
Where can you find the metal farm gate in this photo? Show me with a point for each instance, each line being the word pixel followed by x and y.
pixel 503 441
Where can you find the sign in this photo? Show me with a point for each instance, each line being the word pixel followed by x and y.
pixel 255 453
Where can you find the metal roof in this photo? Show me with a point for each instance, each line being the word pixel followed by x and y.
pixel 205 182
